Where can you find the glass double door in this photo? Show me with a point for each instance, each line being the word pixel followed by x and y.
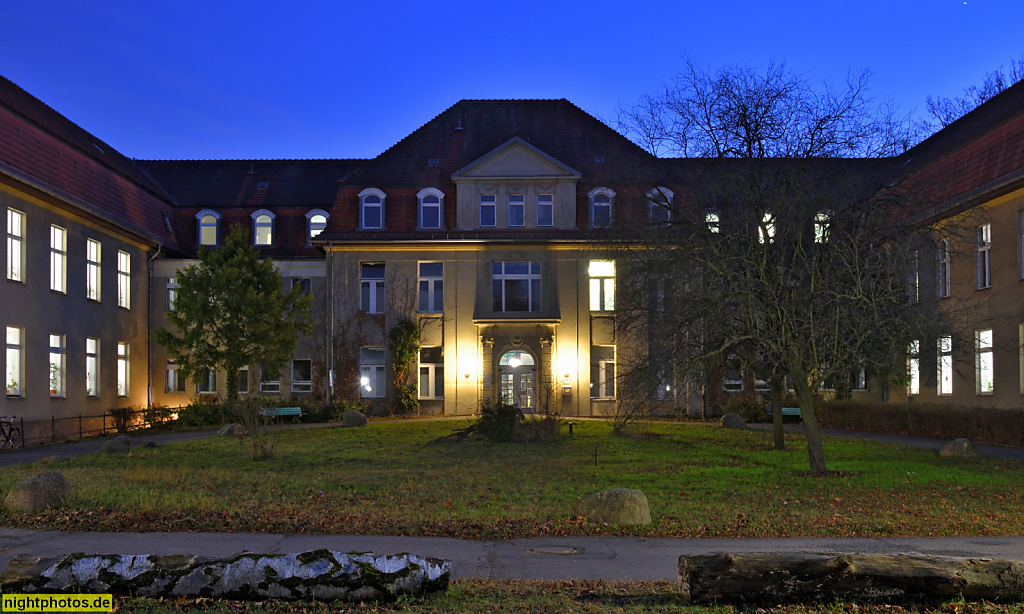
pixel 516 377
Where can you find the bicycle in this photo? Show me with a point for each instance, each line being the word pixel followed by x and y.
pixel 10 435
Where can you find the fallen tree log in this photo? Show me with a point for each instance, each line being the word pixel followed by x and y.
pixel 778 578
pixel 320 575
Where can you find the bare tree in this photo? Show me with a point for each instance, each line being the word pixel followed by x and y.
pixel 948 110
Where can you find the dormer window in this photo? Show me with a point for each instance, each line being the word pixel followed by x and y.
pixel 316 221
pixel 545 210
pixel 659 206
pixel 487 210
pixel 516 209
pixel 371 209
pixel 209 227
pixel 430 215
pixel 601 201
pixel 262 228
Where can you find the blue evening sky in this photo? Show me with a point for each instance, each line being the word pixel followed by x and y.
pixel 304 79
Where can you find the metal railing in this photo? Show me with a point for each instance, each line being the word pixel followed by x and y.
pixel 42 432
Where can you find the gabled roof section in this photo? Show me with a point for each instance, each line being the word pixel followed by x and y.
pixel 516 158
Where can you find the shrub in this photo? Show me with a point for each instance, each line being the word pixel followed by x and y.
pixel 750 411
pixel 124 418
pixel 332 412
pixel 499 422
pixel 200 413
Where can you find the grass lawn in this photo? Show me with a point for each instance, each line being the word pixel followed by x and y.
pixel 387 478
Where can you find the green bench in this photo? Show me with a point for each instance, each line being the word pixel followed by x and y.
pixel 279 412
pixel 790 411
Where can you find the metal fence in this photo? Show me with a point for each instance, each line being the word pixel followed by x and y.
pixel 41 432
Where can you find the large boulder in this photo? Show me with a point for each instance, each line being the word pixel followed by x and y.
pixel 117 445
pixel 38 492
pixel 352 417
pixel 540 431
pixel 615 506
pixel 231 430
pixel 961 447
pixel 733 421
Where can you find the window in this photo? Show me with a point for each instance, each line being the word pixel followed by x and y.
pixel 206 381
pixel 56 365
pixel 262 228
pixel 430 208
pixel 945 365
pixel 602 372
pixel 713 221
pixel 371 373
pixel 269 381
pixel 15 245
pixel 304 284
pixel 487 209
pixel 913 279
pixel 208 227
pixel 431 373
pixel 172 293
pixel 316 221
pixel 983 365
pixel 766 230
pixel 371 287
pixel 92 269
pixel 58 259
pixel 984 244
pixel 914 368
pixel 942 250
pixel 371 209
pixel 821 227
pixel 431 287
pixel 545 210
pixel 92 367
pixel 175 383
pixel 601 207
pixel 859 379
pixel 122 369
pixel 516 210
pixel 14 366
pixel 242 378
pixel 515 286
pixel 302 375
pixel 732 380
pixel 659 206
pixel 124 280
pixel 602 285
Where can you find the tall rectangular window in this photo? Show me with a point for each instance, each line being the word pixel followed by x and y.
pixel 821 227
pixel 602 285
pixel 93 252
pixel 175 382
pixel 124 280
pixel 172 293
pixel 983 362
pixel 243 379
pixel 431 291
pixel 602 372
pixel 487 210
pixel 302 375
pixel 206 381
pixel 58 259
pixel 545 210
pixel 371 373
pixel 984 245
pixel 92 367
pixel 516 210
pixel 945 365
pixel 122 369
pixel 913 279
pixel 914 368
pixel 14 361
pixel 269 382
pixel 515 286
pixel 431 381
pixel 942 250
pixel 56 365
pixel 766 230
pixel 371 287
pixel 15 245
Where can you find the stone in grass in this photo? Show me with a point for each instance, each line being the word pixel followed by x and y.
pixel 352 417
pixel 615 506
pixel 38 492
pixel 231 430
pixel 117 445
pixel 733 421
pixel 961 447
pixel 52 459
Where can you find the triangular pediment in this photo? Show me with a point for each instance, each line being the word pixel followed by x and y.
pixel 515 158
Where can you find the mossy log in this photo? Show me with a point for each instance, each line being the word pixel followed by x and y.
pixel 779 578
pixel 320 574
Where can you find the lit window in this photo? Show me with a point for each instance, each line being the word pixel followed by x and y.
pixel 913 278
pixel 124 280
pixel 208 227
pixel 92 367
pixel 983 365
pixel 371 209
pixel 431 381
pixel 58 259
pixel 602 372
pixel 515 286
pixel 545 210
pixel 206 381
pixel 712 221
pixel 371 287
pixel 122 369
pixel 602 285
pixel 15 245
pixel 766 230
pixel 945 365
pixel 821 227
pixel 659 206
pixel 92 269
pixel 175 383
pixel 516 210
pixel 601 200
pixel 914 368
pixel 263 228
pixel 269 382
pixel 942 250
pixel 302 375
pixel 371 373
pixel 984 245
pixel 487 210
pixel 14 362
pixel 56 365
pixel 430 208
pixel 431 287
pixel 316 221
pixel 172 293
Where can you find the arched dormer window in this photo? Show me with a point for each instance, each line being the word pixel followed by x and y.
pixel 431 209
pixel 208 227
pixel 316 221
pixel 262 228
pixel 602 213
pixel 371 209
pixel 659 206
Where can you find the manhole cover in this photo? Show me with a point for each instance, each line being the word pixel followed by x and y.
pixel 556 550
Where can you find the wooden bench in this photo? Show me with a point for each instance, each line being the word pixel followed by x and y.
pixel 279 412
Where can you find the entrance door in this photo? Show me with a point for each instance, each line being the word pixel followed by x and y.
pixel 516 373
